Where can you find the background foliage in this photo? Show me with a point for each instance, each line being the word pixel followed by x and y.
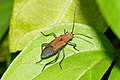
pixel 31 17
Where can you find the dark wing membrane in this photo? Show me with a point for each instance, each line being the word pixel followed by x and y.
pixel 47 52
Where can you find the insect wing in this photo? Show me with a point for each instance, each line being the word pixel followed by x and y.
pixel 47 52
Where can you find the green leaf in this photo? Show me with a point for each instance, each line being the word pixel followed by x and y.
pixel 82 66
pixel 115 72
pixel 90 63
pixel 5 13
pixel 29 17
pixel 111 11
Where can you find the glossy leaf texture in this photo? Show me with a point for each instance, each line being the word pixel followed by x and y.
pixel 90 63
pixel 110 9
pixel 30 16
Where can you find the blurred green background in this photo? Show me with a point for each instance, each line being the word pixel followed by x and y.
pixel 5 14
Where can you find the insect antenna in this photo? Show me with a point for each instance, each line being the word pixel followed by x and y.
pixel 83 35
pixel 83 38
pixel 73 20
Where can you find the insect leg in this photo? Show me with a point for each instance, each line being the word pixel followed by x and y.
pixel 73 44
pixel 49 34
pixel 38 61
pixel 62 58
pixel 51 62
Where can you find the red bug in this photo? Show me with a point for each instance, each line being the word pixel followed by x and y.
pixel 58 44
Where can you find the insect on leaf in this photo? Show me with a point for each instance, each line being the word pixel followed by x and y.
pixel 89 63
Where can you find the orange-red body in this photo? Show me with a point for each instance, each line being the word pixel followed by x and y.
pixel 54 46
pixel 60 41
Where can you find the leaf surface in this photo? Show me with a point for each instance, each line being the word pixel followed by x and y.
pixel 111 11
pixel 90 63
pixel 29 17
